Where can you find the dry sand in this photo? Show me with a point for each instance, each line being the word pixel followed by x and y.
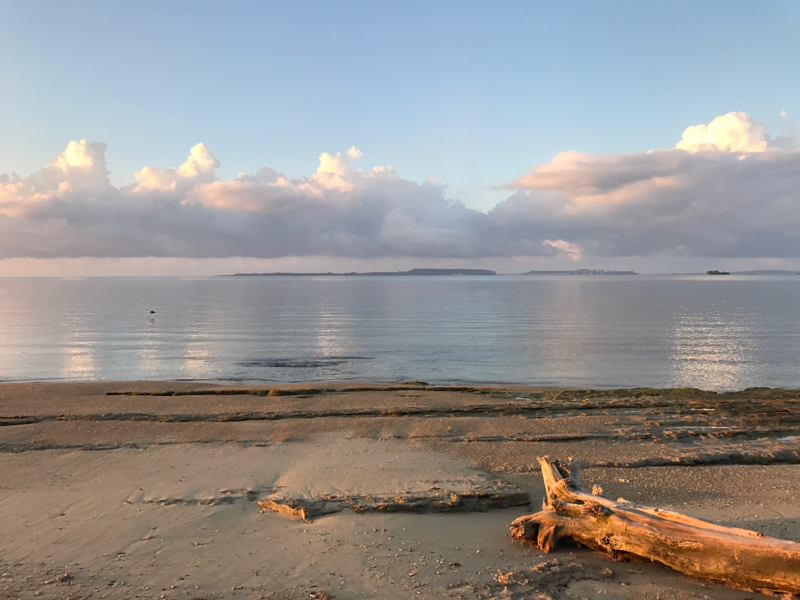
pixel 407 490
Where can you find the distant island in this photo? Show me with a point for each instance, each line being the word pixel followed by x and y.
pixel 429 273
pixel 412 272
pixel 767 272
pixel 581 272
pixel 751 272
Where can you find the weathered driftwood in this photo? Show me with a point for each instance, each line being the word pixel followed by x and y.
pixel 625 530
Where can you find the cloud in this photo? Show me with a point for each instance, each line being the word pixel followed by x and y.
pixel 726 190
pixel 198 168
pixel 337 165
pixel 733 132
pixel 188 212
pixel 573 251
pixel 81 166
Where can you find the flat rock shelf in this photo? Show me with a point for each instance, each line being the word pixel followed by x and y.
pixel 175 490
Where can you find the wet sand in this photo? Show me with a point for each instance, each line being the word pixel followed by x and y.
pixel 183 490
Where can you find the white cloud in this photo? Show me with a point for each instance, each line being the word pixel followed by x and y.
pixel 720 193
pixel 332 173
pixel 80 168
pixel 198 168
pixel 187 212
pixel 728 190
pixel 80 155
pixel 732 132
pixel 339 164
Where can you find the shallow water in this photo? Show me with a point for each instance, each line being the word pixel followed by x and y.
pixel 714 333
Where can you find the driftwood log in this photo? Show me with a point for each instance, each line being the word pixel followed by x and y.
pixel 624 530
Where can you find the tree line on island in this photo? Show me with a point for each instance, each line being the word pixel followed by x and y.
pixel 433 272
pixel 487 272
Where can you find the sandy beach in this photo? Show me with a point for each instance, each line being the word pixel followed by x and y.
pixel 193 491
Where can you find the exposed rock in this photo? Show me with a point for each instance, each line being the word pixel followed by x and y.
pixel 472 496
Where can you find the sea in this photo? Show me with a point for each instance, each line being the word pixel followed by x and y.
pixel 710 332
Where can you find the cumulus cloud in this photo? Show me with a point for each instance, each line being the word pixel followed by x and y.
pixel 339 164
pixel 81 166
pixel 733 132
pixel 187 211
pixel 726 190
pixel 198 168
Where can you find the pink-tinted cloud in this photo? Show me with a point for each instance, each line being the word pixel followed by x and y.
pixel 573 251
pixel 727 190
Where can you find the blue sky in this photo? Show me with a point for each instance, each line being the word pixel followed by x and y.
pixel 472 94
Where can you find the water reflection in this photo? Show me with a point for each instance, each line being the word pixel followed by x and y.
pixel 78 357
pixel 592 332
pixel 560 347
pixel 195 362
pixel 78 362
pixel 328 338
pixel 714 351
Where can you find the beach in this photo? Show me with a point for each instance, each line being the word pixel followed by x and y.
pixel 195 491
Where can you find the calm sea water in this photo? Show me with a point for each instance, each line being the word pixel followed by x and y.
pixel 716 333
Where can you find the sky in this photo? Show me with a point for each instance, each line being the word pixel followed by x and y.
pixel 198 138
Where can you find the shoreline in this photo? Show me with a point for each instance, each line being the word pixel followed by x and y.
pixel 165 387
pixel 149 495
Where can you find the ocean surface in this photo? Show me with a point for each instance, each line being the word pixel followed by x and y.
pixel 714 333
